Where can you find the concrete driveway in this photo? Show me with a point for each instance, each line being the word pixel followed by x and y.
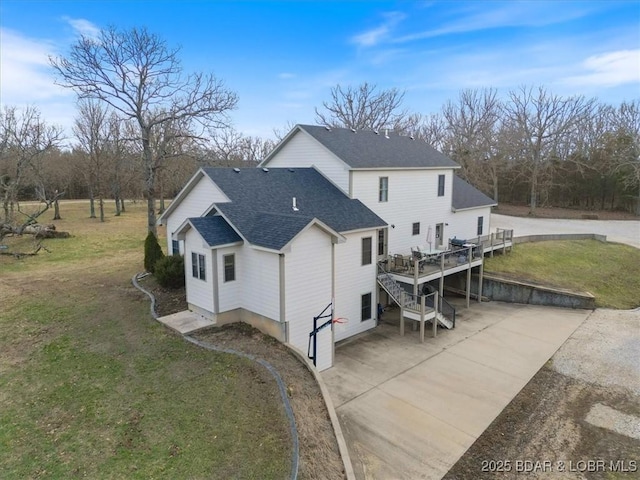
pixel 621 231
pixel 410 410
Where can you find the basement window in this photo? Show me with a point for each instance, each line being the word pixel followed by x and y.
pixel 365 310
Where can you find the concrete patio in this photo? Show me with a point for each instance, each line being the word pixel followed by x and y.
pixel 186 322
pixel 410 410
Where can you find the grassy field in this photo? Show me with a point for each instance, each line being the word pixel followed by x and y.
pixel 609 271
pixel 91 386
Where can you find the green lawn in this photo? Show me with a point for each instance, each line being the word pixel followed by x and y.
pixel 609 271
pixel 91 386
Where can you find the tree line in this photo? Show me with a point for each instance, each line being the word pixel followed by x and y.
pixel 143 126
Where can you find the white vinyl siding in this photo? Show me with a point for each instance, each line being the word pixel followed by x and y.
pixel 303 150
pixel 308 291
pixel 352 281
pixel 204 194
pixel 199 292
pixel 419 202
pixel 259 273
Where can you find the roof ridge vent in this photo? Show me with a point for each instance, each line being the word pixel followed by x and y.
pixel 265 169
pixel 236 169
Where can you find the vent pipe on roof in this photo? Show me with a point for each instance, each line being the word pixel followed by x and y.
pixel 265 169
pixel 237 170
pixel 376 132
pixel 353 130
pixel 295 205
pixel 386 133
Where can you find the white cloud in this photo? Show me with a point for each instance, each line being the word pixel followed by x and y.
pixel 27 79
pixel 374 36
pixel 25 74
pixel 477 16
pixel 608 70
pixel 83 27
pixel 286 75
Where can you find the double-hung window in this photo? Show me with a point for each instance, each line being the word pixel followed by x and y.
pixel 229 267
pixel 383 189
pixel 365 310
pixel 366 251
pixel 416 228
pixel 198 266
pixel 441 185
pixel 480 225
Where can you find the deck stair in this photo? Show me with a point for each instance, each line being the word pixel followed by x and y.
pixel 410 302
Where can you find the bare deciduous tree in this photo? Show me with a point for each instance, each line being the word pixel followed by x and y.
pixel 539 122
pixel 137 74
pixel 24 138
pixel 93 133
pixel 363 108
pixel 473 123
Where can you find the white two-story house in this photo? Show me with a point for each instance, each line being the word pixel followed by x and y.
pixel 301 236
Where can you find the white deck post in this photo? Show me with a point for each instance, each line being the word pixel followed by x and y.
pixel 436 308
pixel 421 318
pixel 480 282
pixel 442 274
pixel 469 277
pixel 401 314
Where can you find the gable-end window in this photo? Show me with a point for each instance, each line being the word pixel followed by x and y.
pixel 198 266
pixel 365 310
pixel 383 191
pixel 366 251
pixel 175 247
pixel 480 222
pixel 441 185
pixel 229 267
pixel 416 228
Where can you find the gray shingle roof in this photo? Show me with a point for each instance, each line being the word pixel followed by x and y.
pixel 366 149
pixel 215 230
pixel 261 204
pixel 465 195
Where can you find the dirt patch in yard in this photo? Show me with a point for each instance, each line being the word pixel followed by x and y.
pixel 319 454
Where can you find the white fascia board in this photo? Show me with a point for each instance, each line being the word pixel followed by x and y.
pixel 335 236
pixel 358 169
pixel 367 229
pixel 454 210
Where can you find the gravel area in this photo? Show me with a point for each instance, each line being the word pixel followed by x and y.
pixel 604 350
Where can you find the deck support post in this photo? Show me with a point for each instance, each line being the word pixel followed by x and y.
pixel 436 308
pixel 480 282
pixel 421 318
pixel 441 275
pixel 402 314
pixel 469 253
pixel 416 267
pixel 492 238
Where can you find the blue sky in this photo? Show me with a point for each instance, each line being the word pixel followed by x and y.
pixel 282 58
